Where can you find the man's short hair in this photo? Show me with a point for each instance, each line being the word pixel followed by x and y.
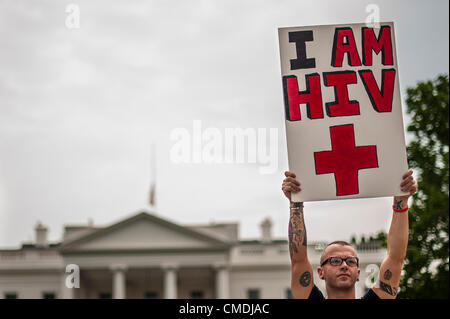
pixel 340 242
pixel 337 242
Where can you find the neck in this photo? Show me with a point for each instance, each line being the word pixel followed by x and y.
pixel 339 293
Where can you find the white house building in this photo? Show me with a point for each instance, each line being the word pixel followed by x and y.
pixel 146 256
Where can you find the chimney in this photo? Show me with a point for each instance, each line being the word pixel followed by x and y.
pixel 266 230
pixel 41 235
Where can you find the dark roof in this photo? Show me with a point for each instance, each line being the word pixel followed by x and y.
pixel 260 242
pixel 374 244
pixel 31 246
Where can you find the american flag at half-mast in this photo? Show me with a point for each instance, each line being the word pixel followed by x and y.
pixel 152 199
pixel 152 195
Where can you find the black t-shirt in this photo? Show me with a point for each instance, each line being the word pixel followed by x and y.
pixel 317 294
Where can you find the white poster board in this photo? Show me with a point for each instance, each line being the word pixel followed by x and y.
pixel 344 124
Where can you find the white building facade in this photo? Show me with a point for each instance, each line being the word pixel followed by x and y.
pixel 146 256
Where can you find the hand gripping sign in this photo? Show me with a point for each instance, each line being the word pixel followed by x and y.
pixel 344 124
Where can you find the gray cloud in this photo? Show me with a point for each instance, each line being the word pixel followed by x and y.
pixel 81 107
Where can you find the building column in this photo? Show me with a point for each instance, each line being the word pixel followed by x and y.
pixel 222 281
pixel 119 281
pixel 170 281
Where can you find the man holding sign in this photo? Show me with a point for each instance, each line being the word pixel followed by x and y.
pixel 345 139
pixel 339 265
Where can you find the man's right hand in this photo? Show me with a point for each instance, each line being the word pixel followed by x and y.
pixel 290 184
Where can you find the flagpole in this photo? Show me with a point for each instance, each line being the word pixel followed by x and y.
pixel 152 199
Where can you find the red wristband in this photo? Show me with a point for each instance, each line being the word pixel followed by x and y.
pixel 400 210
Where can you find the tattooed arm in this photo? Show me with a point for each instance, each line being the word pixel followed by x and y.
pixel 390 270
pixel 301 269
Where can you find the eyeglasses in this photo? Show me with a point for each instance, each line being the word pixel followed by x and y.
pixel 337 261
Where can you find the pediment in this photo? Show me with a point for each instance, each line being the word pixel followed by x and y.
pixel 143 231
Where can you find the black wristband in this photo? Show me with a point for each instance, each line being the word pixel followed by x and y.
pixel 296 205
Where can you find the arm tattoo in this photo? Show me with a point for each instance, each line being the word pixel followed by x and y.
pixel 387 275
pixel 296 231
pixel 293 235
pixel 387 288
pixel 398 204
pixel 305 243
pixel 305 279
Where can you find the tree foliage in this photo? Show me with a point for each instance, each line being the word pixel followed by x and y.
pixel 426 268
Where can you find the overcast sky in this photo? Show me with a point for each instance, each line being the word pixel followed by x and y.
pixel 80 107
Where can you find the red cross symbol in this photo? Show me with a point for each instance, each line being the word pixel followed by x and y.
pixel 345 159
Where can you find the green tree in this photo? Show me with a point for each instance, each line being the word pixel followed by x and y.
pixel 382 238
pixel 426 269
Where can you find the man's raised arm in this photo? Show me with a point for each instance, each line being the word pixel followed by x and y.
pixel 301 274
pixel 397 241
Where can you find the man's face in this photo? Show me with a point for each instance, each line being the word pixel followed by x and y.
pixel 343 276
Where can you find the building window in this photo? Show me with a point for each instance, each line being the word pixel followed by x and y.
pixel 151 295
pixel 197 294
pixel 253 294
pixel 289 294
pixel 104 295
pixel 48 295
pixel 10 295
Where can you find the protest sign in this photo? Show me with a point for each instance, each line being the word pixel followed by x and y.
pixel 344 124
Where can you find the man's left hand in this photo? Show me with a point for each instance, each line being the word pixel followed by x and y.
pixel 408 185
